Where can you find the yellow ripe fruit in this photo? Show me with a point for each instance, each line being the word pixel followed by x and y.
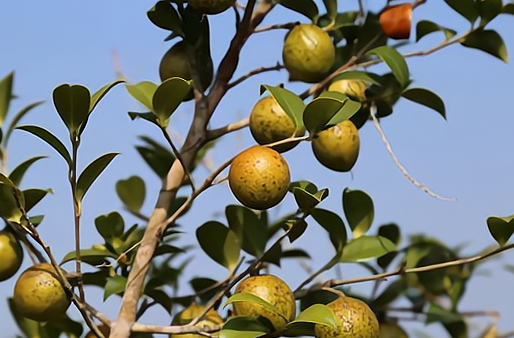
pixel 269 123
pixel 354 319
pixel 38 294
pixel 274 291
pixel 11 255
pixel 212 318
pixel 308 53
pixel 211 6
pixel 259 177
pixel 337 147
pixel 391 330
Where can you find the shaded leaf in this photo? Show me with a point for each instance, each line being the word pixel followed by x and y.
pixel 359 211
pixel 131 192
pixel 273 255
pixel 72 103
pixel 50 139
pixel 295 253
pixel 18 172
pixel 501 228
pixel 161 298
pixel 219 243
pixel 488 10
pixel 145 116
pixel 250 230
pixel 243 327
pixel 91 173
pixel 425 27
pixel 390 231
pixel 164 16
pixel 143 92
pixel 298 227
pixel 395 61
pixel 168 96
pixel 307 201
pixel 19 115
pixel 114 285
pixel 333 224
pixel 437 314
pixel 426 98
pixel 466 8
pixel 393 290
pixel 488 41
pixel 291 103
pixel 508 9
pixel 199 285
pixel 158 157
pixel 110 226
pixel 305 185
pixel 307 8
pixel 28 326
pixel 366 247
pixel 318 314
pixel 33 197
pixel 5 95
pixel 321 110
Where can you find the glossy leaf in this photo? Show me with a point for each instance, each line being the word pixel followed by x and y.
pixel 291 103
pixel 333 224
pixel 50 139
pixel 427 98
pixel 19 115
pixel 72 102
pixel 357 75
pixel 89 256
pixel 17 174
pixel 359 211
pixel 114 285
pixel 143 92
pixel 250 230
pixel 307 201
pixel 425 27
pixel 318 314
pixel 321 110
pixel 91 173
pixel 395 61
pixel 100 93
pixel 164 16
pixel 466 8
pixel 110 226
pixel 366 247
pixel 248 297
pixel 307 8
pixel 34 196
pixel 5 95
pixel 488 41
pixel 132 192
pixel 168 96
pixel 501 228
pixel 243 327
pixel 488 10
pixel 219 243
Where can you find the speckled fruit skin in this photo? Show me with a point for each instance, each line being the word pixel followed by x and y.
pixel 391 330
pixel 337 147
pixel 11 255
pixel 308 53
pixel 259 177
pixel 212 318
pixel 355 320
pixel 269 123
pixel 38 295
pixel 175 63
pixel 211 6
pixel 271 289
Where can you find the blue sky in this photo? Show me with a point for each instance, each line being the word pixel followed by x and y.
pixel 467 156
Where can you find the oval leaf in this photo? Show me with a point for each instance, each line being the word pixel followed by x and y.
pixel 488 41
pixel 219 243
pixel 426 98
pixel 321 110
pixel 307 201
pixel 304 7
pixel 168 96
pixel 333 224
pixel 359 211
pixel 501 228
pixel 49 138
pixel 250 229
pixel 18 172
pixel 425 27
pixel 72 103
pixel 291 103
pixel 488 10
pixel 318 314
pixel 366 247
pixel 143 92
pixel 164 16
pixel 91 173
pixel 110 226
pixel 395 61
pixel 132 192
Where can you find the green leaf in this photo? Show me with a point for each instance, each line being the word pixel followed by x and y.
pixel 168 96
pixel 395 61
pixel 164 16
pixel 295 253
pixel 488 41
pixel 304 185
pixel 100 93
pixel 273 255
pixel 243 327
pixel 366 247
pixel 5 95
pixel 466 8
pixel 321 110
pixel 19 115
pixel 158 157
pixel 298 227
pixel 248 297
pixel 91 173
pixel 18 172
pixel 437 314
pixel 425 27
pixel 331 6
pixel 250 230
pixel 72 103
pixel 456 329
pixel 150 117
pixel 143 92
pixel 488 10
pixel 426 98
pixel 161 298
pixel 50 139
pixel 359 211
pixel 333 224
pixel 307 8
pixel 33 197
pixel 390 231
pixel 132 192
pixel 357 75
pixel 110 226
pixel 501 228
pixel 28 326
pixel 89 256
pixel 291 103
pixel 307 201
pixel 318 314
pixel 201 284
pixel 219 243
pixel 508 9
pixel 114 285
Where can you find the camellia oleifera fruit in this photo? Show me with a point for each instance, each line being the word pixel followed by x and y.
pixel 354 319
pixel 337 147
pixel 211 6
pixel 175 63
pixel 391 330
pixel 212 318
pixel 259 177
pixel 38 294
pixel 356 90
pixel 274 291
pixel 270 123
pixel 11 255
pixel 308 53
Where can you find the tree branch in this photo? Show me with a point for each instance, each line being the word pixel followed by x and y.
pixel 256 71
pixel 234 126
pixel 288 25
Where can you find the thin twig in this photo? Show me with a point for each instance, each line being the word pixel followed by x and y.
pixel 288 25
pixel 256 71
pixel 176 152
pixel 404 171
pixel 234 126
